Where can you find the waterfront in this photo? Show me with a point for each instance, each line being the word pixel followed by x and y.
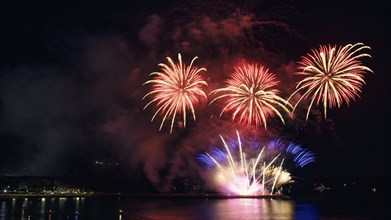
pixel 121 208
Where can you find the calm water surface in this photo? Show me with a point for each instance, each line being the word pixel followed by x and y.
pixel 107 208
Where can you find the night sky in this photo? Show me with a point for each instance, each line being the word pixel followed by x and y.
pixel 71 76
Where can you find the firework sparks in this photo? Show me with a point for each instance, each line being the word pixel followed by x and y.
pixel 176 89
pixel 301 157
pixel 251 96
pixel 245 175
pixel 332 76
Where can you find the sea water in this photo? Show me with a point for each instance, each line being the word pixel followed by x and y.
pixel 175 208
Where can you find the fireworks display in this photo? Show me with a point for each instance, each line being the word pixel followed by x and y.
pixel 251 95
pixel 250 173
pixel 332 76
pixel 147 97
pixel 176 89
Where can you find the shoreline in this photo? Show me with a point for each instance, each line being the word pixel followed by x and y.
pixel 144 195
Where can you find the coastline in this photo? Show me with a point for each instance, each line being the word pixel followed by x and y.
pixel 143 195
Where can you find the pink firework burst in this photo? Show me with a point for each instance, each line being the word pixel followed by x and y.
pixel 176 89
pixel 332 76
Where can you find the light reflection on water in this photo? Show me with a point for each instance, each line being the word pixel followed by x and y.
pixel 107 208
pixel 3 210
pixel 218 209
pixel 250 209
pixel 153 208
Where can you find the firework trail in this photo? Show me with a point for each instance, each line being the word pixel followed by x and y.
pixel 332 76
pixel 250 95
pixel 301 157
pixel 251 174
pixel 175 90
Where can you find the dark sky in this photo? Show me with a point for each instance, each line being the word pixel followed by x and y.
pixel 71 79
